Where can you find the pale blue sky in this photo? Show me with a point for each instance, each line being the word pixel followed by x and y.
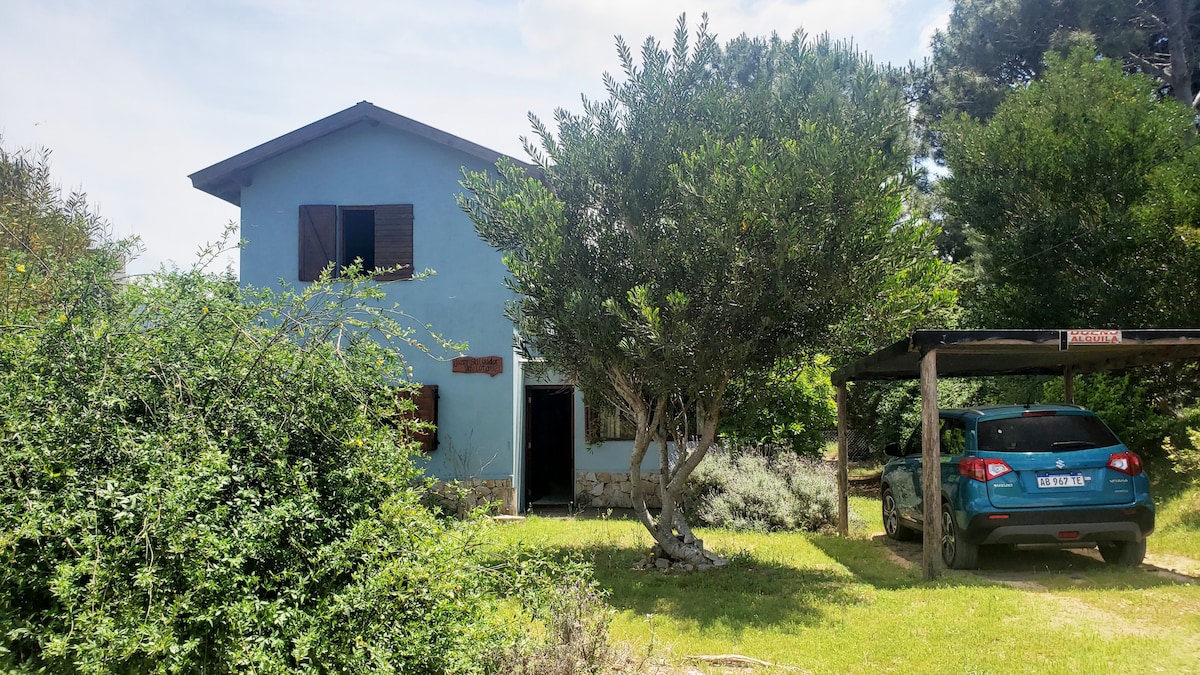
pixel 133 95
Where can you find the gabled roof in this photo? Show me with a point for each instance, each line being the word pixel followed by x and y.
pixel 226 179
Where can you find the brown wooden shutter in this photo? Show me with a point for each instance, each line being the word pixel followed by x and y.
pixel 426 400
pixel 427 411
pixel 394 240
pixel 318 229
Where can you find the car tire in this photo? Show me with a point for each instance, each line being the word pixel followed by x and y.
pixel 1124 553
pixel 891 519
pixel 956 553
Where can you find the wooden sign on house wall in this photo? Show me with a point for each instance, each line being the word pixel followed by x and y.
pixel 489 365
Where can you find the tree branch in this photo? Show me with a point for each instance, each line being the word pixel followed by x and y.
pixel 1155 69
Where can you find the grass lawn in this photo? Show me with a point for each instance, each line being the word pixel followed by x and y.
pixel 1177 524
pixel 823 604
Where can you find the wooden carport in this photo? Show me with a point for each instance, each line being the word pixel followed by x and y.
pixel 929 354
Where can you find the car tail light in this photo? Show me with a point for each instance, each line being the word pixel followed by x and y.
pixel 1039 413
pixel 1125 462
pixel 983 470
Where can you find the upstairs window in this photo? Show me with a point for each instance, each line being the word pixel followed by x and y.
pixel 381 236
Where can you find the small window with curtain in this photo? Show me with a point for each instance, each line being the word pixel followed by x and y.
pixel 607 424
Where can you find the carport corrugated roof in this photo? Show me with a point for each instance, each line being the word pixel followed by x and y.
pixel 969 353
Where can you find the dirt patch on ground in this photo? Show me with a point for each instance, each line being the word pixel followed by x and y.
pixel 1027 569
pixel 905 554
pixel 1073 613
pixel 1020 568
pixel 1175 567
pixel 864 486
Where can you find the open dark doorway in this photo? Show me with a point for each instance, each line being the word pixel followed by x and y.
pixel 549 445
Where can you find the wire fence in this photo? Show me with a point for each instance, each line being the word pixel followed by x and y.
pixel 858 448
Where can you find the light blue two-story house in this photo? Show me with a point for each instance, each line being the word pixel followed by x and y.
pixel 368 183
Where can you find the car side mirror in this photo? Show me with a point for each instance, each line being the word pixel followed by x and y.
pixel 892 450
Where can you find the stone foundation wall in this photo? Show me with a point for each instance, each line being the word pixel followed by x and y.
pixel 463 496
pixel 613 489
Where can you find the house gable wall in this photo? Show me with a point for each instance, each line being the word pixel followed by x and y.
pixel 367 164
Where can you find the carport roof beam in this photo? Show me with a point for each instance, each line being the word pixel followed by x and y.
pixel 971 353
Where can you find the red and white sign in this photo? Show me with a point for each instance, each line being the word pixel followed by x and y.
pixel 1093 337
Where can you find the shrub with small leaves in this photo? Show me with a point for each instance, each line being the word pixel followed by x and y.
pixel 40 229
pixel 1183 446
pixel 753 490
pixel 787 406
pixel 199 477
pixel 574 637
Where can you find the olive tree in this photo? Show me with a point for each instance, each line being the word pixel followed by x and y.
pixel 720 208
pixel 40 229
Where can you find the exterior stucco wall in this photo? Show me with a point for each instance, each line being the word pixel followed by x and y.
pixel 481 418
pixel 368 165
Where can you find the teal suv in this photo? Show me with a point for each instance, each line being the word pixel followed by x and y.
pixel 1046 474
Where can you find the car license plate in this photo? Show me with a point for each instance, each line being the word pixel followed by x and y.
pixel 1060 480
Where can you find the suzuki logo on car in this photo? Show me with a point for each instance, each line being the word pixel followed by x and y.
pixel 1060 464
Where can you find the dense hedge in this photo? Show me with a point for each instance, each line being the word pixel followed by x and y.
pixel 197 478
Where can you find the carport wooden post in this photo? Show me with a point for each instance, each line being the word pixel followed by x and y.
pixel 842 470
pixel 931 468
pixel 1068 385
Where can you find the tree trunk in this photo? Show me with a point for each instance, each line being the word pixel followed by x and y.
pixel 1174 68
pixel 1179 43
pixel 641 442
pixel 675 541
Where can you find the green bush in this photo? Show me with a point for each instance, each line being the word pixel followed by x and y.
pixel 884 411
pixel 751 490
pixel 787 407
pixel 202 478
pixel 39 228
pixel 1183 446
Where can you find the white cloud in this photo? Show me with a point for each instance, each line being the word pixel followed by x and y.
pixel 936 22
pixel 133 95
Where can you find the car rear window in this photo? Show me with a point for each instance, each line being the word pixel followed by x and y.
pixel 1044 433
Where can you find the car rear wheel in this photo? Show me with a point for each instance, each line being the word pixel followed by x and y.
pixel 891 519
pixel 956 553
pixel 1124 553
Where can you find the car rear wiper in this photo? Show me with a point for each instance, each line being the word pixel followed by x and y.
pixel 1074 444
